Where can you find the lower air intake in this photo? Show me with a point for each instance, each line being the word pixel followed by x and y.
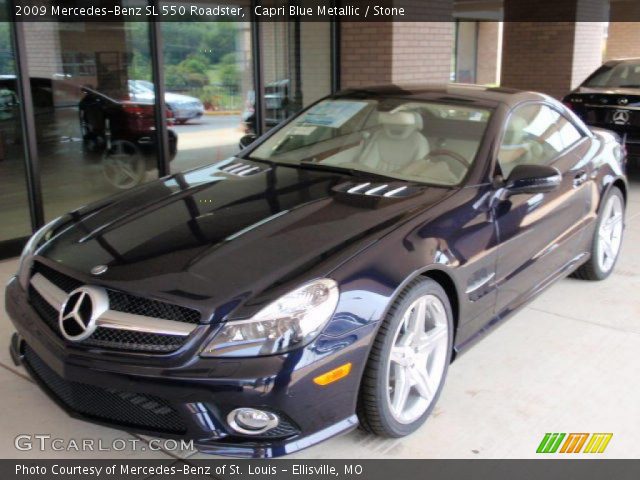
pixel 124 409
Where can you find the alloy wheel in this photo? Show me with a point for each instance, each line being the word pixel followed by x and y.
pixel 418 358
pixel 610 233
pixel 123 165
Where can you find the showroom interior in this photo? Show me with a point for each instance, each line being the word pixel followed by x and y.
pixel 250 76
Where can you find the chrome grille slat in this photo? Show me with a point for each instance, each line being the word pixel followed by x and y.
pixel 111 318
pixel 139 323
pixel 53 295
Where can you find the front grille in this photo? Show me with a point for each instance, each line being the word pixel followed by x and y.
pixel 48 314
pixel 138 341
pixel 111 338
pixel 124 302
pixel 125 409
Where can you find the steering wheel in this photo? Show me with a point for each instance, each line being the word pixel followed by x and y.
pixel 448 153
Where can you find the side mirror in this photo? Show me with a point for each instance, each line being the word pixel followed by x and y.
pixel 247 140
pixel 533 179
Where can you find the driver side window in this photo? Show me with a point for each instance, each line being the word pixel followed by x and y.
pixel 532 136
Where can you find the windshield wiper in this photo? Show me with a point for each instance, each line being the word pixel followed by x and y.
pixel 629 86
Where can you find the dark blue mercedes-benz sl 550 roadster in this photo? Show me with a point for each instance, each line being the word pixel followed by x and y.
pixel 324 277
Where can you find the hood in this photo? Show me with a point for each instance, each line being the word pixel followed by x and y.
pixel 215 233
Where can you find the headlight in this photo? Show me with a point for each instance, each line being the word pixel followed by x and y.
pixel 290 322
pixel 26 258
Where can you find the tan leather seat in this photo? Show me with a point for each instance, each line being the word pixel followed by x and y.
pixel 397 144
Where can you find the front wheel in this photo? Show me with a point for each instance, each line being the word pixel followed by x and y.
pixel 408 363
pixel 607 239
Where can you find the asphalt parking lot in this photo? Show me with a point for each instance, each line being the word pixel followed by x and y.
pixel 568 362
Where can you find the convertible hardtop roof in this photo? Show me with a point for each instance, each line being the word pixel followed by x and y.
pixel 478 95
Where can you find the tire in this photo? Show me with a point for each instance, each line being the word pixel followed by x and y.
pixel 595 268
pixel 377 394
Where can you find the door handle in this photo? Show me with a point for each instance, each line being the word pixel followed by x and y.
pixel 580 178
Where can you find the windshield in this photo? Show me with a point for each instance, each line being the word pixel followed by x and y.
pixel 420 141
pixel 622 75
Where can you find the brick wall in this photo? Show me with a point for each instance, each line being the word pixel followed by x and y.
pixel 489 34
pixel 550 57
pixel 623 40
pixel 533 56
pixel 588 50
pixel 400 52
pixel 624 36
pixel 422 52
pixel 366 53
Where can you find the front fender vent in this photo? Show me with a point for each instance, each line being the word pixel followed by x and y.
pixel 380 190
pixel 373 194
pixel 370 189
pixel 240 169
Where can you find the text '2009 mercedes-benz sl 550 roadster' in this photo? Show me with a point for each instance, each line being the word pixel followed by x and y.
pixel 324 277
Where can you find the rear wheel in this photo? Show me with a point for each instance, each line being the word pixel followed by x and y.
pixel 408 363
pixel 607 239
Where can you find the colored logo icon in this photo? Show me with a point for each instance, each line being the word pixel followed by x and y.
pixel 574 443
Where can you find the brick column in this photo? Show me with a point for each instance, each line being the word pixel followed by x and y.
pixel 399 52
pixel 624 37
pixel 551 57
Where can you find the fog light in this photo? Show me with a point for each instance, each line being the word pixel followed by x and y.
pixel 251 421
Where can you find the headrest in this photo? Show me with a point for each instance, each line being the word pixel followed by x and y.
pixel 400 124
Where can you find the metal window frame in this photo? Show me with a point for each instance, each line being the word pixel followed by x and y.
pixel 9 248
pixel 28 125
pixel 162 140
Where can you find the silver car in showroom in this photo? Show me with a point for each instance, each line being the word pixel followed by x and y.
pixel 183 107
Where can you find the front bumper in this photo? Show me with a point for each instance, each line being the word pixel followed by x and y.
pixel 192 394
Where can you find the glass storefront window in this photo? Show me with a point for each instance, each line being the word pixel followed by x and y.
pixel 94 105
pixel 208 76
pixel 14 204
pixel 296 67
pixel 95 125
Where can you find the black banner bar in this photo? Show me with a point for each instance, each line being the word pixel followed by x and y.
pixel 313 11
pixel 322 469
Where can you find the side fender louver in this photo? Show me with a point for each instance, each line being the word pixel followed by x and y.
pixel 384 190
pixel 240 169
pixel 370 195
